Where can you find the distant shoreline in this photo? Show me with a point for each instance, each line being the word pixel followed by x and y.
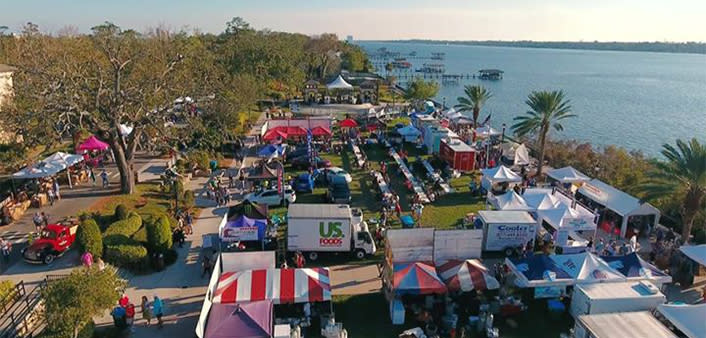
pixel 658 47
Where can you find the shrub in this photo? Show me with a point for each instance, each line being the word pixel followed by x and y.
pixel 7 291
pixel 126 227
pixel 170 256
pixel 89 238
pixel 699 236
pixel 121 212
pixel 131 255
pixel 200 158
pixel 159 235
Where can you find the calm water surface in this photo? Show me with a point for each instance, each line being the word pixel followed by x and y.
pixel 632 99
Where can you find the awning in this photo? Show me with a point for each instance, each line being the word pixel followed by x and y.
pixel 540 200
pixel 281 286
pixel 467 275
pixel 616 200
pixel 568 175
pixel 689 319
pixel 416 278
pixel 339 83
pixel 695 252
pixel 633 267
pixel 93 143
pixel 641 324
pixel 252 320
pixel 274 134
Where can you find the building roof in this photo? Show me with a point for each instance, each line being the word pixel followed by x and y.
pixel 7 68
pixel 319 211
pixel 458 146
pixel 625 325
pixel 616 200
pixel 505 216
pixel 626 290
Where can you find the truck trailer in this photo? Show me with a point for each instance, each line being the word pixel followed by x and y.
pixel 507 231
pixel 615 297
pixel 328 228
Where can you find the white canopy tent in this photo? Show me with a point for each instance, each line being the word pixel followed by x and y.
pixel 499 174
pixel 568 175
pixel 618 201
pixel 540 200
pixel 695 252
pixel 50 166
pixel 409 133
pixel 509 201
pixel 522 155
pixel 575 219
pixel 689 319
pixel 339 83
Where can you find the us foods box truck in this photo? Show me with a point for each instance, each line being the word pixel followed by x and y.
pixel 507 231
pixel 328 228
pixel 615 297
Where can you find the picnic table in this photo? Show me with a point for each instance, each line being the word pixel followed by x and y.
pixel 416 187
pixel 382 185
pixel 437 178
pixel 359 156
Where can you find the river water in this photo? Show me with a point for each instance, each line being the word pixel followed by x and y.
pixel 637 100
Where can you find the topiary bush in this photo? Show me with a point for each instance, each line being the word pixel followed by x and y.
pixel 159 235
pixel 141 235
pixel 126 227
pixel 121 213
pixel 188 199
pixel 129 254
pixel 88 237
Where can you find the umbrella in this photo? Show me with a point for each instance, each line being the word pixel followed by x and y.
pixel 348 123
pixel 467 275
pixel 272 135
pixel 296 131
pixel 320 131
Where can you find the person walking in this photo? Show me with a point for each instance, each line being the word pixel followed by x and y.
pixel 158 310
pixel 37 220
pixel 190 222
pixel 104 178
pixel 146 310
pixel 55 189
pixel 92 175
pixel 45 219
pixel 206 264
pixel 130 316
pixel 87 259
pixel 6 248
pixel 50 195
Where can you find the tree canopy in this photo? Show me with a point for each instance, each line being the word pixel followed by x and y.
pixel 418 89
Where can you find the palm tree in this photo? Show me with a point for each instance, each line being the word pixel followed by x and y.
pixel 473 101
pixel 547 111
pixel 683 177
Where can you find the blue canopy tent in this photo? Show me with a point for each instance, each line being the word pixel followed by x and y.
pixel 271 151
pixel 635 268
pixel 244 228
pixel 538 271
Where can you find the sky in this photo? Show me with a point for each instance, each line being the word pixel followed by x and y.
pixel 546 20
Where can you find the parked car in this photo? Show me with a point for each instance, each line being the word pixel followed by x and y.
pixel 54 241
pixel 304 183
pixel 338 191
pixel 302 162
pixel 272 197
pixel 336 171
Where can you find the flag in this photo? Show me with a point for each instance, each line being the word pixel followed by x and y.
pixel 487 119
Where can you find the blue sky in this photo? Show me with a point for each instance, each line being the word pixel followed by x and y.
pixel 605 20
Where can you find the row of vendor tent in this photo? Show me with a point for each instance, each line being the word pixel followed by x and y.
pixel 285 132
pixel 50 166
pixel 245 221
pixel 421 278
pixel 517 152
pixel 503 174
pixel 93 144
pixel 570 269
pixel 241 279
pixel 548 205
pixel 409 133
pixel 688 319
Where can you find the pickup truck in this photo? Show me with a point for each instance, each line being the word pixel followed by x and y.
pixel 54 241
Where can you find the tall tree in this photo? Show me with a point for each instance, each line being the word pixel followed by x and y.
pixel 682 177
pixel 71 303
pixel 547 110
pixel 475 98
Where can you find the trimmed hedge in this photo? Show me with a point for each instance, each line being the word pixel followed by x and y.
pixel 188 199
pixel 159 235
pixel 126 253
pixel 121 212
pixel 126 227
pixel 89 238
pixel 141 235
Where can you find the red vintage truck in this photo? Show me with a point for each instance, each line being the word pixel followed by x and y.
pixel 53 242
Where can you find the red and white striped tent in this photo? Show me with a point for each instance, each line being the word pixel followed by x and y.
pixel 466 275
pixel 281 286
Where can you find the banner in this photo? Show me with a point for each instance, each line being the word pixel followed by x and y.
pixel 240 234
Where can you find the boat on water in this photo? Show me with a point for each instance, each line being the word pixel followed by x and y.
pixel 432 68
pixel 490 74
pixel 438 56
pixel 402 64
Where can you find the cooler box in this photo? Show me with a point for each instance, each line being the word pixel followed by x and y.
pixel 407 221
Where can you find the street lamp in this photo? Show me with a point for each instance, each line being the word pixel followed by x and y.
pixel 502 138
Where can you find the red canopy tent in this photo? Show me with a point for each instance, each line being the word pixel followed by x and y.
pixel 281 286
pixel 93 143
pixel 296 131
pixel 416 278
pixel 466 275
pixel 348 123
pixel 274 134
pixel 320 131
